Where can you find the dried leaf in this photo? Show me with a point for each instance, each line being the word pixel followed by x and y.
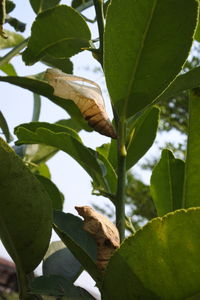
pixel 104 232
pixel 89 99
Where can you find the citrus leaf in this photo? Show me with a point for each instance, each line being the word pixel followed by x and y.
pixel 161 261
pixel 40 5
pixel 13 40
pixel 138 55
pixel 167 183
pixel 60 32
pixel 25 212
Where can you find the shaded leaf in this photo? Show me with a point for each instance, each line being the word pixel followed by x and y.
pixel 70 229
pixel 142 136
pixel 39 154
pixel 53 192
pixel 13 40
pixel 60 32
pixel 10 5
pixel 60 261
pixel 192 171
pixel 81 4
pixel 167 183
pixel 161 261
pixel 58 286
pixel 64 139
pixel 63 64
pixel 16 24
pixel 137 72
pixel 104 149
pixel 44 89
pixel 26 220
pixel 5 128
pixel 89 99
pixel 40 5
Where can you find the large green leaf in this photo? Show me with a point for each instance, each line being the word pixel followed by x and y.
pixel 81 244
pixel 192 169
pixel 183 82
pixel 60 261
pixel 60 32
pixel 58 286
pixel 146 44
pixel 13 40
pixel 64 139
pixel 40 5
pixel 44 89
pixel 167 182
pixel 25 212
pixel 143 136
pixel 161 261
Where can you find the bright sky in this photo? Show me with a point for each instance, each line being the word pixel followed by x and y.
pixel 17 103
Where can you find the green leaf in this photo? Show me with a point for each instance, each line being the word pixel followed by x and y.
pixel 13 40
pixel 183 82
pixel 25 212
pixel 197 32
pixel 40 5
pixel 60 32
pixel 70 229
pixel 192 169
pixel 104 149
pixel 44 89
pixel 161 261
pixel 71 123
pixel 10 5
pixel 143 136
pixel 60 261
pixel 167 183
pixel 5 128
pixel 58 286
pixel 145 49
pixel 53 192
pixel 8 69
pixel 16 24
pixel 43 170
pixel 39 154
pixel 64 139
pixel 64 65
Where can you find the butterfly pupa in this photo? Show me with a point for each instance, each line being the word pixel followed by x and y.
pixel 88 99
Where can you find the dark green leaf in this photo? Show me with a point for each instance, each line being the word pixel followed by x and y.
pixel 81 4
pixel 26 212
pixel 183 82
pixel 161 261
pixel 143 136
pixel 60 32
pixel 10 5
pixel 145 49
pixel 40 5
pixel 58 286
pixel 81 244
pixel 5 128
pixel 13 40
pixel 192 169
pixel 53 192
pixel 8 69
pixel 64 65
pixel 16 24
pixel 64 139
pixel 167 183
pixel 71 123
pixel 44 89
pixel 60 261
pixel 104 150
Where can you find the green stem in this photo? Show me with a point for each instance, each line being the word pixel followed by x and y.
pixel 120 196
pixel 98 4
pixel 13 52
pixel 23 285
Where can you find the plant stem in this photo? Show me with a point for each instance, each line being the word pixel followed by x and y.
pixel 13 52
pixel 23 285
pixel 98 4
pixel 120 196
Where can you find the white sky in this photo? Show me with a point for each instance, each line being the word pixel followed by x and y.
pixel 17 103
